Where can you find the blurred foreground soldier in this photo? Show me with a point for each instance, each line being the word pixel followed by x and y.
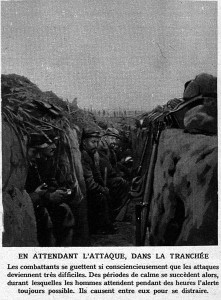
pixel 117 185
pixel 97 193
pixel 54 218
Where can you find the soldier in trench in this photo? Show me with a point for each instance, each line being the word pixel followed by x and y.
pixel 98 197
pixel 118 186
pixel 54 218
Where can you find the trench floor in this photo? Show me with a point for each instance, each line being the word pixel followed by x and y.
pixel 125 236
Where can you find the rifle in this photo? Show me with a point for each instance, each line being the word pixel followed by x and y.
pixel 105 176
pixel 136 181
pixel 142 209
pixel 144 151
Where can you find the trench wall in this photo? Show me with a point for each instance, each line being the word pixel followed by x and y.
pixel 184 207
pixel 19 225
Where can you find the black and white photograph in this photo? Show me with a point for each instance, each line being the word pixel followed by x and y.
pixel 109 141
pixel 109 123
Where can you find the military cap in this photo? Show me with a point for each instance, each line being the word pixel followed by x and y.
pixel 90 131
pixel 112 132
pixel 38 140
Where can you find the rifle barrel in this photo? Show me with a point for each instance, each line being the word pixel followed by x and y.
pixel 149 187
pixel 105 176
pixel 143 152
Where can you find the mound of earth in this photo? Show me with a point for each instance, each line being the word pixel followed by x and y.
pixel 19 221
pixel 184 208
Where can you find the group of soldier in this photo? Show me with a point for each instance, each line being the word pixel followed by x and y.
pixel 107 190
pixel 105 178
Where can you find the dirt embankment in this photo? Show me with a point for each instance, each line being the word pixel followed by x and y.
pixel 19 221
pixel 184 208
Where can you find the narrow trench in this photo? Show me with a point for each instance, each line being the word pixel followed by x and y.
pixel 124 236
